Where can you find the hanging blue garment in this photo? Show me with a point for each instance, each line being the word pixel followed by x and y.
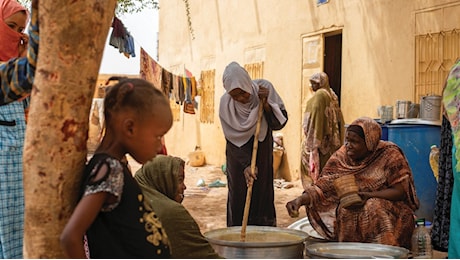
pixel 129 45
pixel 121 39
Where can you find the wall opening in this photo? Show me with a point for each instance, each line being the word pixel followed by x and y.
pixel 333 60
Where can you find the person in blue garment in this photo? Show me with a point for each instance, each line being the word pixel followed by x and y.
pixel 18 55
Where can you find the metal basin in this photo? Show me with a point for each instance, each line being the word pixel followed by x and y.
pixel 305 226
pixel 261 242
pixel 341 250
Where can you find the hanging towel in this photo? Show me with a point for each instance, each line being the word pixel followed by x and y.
pixel 175 88
pixel 150 70
pixel 166 82
pixel 181 89
pixel 188 105
pixel 194 92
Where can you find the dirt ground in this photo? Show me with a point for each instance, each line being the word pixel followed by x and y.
pixel 208 205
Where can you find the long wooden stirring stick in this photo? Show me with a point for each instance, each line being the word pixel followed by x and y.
pixel 253 168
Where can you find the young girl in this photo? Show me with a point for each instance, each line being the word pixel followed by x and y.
pixel 111 211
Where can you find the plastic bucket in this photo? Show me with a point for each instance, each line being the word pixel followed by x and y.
pixel 430 108
pixel 415 140
pixel 386 114
pixel 402 108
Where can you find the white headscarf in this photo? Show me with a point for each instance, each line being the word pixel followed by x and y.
pixel 239 120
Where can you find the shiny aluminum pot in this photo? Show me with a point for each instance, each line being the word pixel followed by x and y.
pixel 355 250
pixel 303 224
pixel 261 242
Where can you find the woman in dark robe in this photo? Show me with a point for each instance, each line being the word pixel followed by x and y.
pixel 238 114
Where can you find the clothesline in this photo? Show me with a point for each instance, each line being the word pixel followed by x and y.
pixel 181 88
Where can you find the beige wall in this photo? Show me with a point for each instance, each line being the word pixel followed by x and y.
pixel 377 55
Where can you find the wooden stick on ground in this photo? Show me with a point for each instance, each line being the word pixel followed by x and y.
pixel 253 168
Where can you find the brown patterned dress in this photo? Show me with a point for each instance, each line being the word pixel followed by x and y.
pixel 378 220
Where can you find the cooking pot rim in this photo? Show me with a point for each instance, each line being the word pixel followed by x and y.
pixel 326 250
pixel 237 229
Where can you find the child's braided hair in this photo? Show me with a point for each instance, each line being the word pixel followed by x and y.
pixel 132 93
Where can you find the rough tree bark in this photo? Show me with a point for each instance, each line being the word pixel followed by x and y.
pixel 72 39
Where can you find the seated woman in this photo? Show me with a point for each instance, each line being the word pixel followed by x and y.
pixel 162 182
pixel 386 187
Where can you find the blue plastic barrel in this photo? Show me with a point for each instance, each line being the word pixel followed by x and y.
pixel 384 132
pixel 415 140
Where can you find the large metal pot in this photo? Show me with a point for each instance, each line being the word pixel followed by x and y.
pixel 261 242
pixel 304 225
pixel 342 250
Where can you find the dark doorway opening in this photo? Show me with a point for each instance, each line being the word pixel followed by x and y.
pixel 333 60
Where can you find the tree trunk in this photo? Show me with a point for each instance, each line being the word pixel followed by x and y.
pixel 72 39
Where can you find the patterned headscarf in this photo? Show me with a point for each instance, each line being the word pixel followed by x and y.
pixel 451 100
pixel 9 39
pixel 372 131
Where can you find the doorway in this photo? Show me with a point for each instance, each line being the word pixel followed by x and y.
pixel 333 60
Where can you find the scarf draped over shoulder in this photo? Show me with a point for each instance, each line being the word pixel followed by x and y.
pixel 323 122
pixel 239 120
pixel 158 180
pixel 383 168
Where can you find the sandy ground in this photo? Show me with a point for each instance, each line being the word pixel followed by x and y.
pixel 208 205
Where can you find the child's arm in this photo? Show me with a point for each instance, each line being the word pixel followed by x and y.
pixel 82 217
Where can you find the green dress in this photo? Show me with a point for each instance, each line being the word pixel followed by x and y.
pixel 451 101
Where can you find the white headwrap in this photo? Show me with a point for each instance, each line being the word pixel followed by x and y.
pixel 239 120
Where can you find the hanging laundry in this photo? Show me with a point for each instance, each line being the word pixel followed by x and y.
pixel 181 91
pixel 193 90
pixel 188 74
pixel 175 88
pixel 129 46
pixel 150 70
pixel 189 106
pixel 166 82
pixel 121 39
